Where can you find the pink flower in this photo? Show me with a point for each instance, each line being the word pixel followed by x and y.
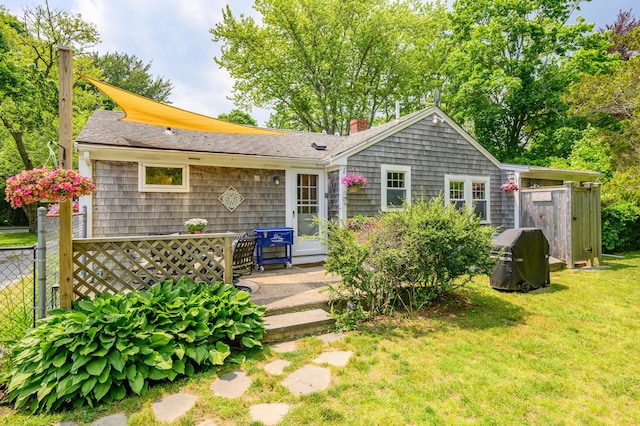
pixel 354 180
pixel 30 186
pixel 509 187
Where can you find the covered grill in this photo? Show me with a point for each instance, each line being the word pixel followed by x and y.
pixel 523 262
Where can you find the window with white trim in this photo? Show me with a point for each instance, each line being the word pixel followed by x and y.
pixel 470 192
pixel 163 178
pixel 396 186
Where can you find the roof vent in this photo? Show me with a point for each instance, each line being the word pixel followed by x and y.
pixel 320 146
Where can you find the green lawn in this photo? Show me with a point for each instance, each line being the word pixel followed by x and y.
pixel 17 239
pixel 564 355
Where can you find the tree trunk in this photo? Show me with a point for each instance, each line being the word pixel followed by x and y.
pixel 31 211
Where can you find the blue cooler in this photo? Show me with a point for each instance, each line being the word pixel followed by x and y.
pixel 274 237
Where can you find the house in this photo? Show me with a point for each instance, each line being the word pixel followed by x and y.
pixel 151 178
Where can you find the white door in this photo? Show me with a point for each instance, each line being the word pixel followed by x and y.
pixel 306 202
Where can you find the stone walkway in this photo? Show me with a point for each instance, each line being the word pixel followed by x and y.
pixel 308 379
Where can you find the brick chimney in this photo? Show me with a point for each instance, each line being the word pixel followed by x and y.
pixel 358 125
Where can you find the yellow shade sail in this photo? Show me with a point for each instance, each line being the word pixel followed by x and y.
pixel 138 109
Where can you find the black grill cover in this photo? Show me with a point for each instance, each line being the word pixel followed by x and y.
pixel 524 263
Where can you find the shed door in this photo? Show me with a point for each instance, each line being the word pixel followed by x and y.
pixel 308 204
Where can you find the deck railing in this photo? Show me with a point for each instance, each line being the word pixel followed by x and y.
pixel 126 263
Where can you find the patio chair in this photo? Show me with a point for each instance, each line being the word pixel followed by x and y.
pixel 243 260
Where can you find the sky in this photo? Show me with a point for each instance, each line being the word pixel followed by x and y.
pixel 173 35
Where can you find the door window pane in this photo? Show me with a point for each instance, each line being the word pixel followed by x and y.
pixel 307 204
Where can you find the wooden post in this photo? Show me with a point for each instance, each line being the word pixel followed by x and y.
pixel 65 134
pixel 228 259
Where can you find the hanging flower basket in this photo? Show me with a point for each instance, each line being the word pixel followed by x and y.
pixel 354 182
pixel 54 186
pixel 509 187
pixel 196 225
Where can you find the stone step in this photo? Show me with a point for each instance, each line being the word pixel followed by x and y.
pixel 292 325
pixel 317 298
pixel 555 264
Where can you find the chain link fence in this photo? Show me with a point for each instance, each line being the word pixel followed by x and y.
pixel 29 278
pixel 52 230
pixel 17 292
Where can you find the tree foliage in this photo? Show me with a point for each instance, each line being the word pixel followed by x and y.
pixel 130 73
pixel 511 62
pixel 29 83
pixel 611 101
pixel 320 63
pixel 620 34
pixel 238 117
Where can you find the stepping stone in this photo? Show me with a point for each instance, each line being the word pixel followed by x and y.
pixel 119 419
pixel 268 414
pixel 335 358
pixel 276 367
pixel 331 337
pixel 206 423
pixel 284 346
pixel 308 379
pixel 231 385
pixel 173 406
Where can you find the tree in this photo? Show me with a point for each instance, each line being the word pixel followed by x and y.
pixel 320 63
pixel 511 62
pixel 611 102
pixel 130 73
pixel 29 83
pixel 620 34
pixel 28 80
pixel 239 117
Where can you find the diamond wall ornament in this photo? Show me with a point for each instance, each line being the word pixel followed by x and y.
pixel 231 199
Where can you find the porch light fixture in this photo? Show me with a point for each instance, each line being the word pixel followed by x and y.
pixel 169 131
pixel 435 119
pixel 276 180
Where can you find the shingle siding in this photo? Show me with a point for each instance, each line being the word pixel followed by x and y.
pixel 432 151
pixel 120 209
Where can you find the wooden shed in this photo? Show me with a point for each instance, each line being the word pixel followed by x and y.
pixel 568 212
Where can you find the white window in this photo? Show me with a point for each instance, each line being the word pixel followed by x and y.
pixel 163 178
pixel 396 186
pixel 470 192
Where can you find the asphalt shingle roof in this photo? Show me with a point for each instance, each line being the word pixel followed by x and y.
pixel 105 128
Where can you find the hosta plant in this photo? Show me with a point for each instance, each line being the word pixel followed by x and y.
pixel 114 345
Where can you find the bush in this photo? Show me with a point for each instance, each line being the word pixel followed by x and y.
pixel 105 348
pixel 408 258
pixel 621 227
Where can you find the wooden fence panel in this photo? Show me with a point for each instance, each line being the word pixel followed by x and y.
pixel 127 263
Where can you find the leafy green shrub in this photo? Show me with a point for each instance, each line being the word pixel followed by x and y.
pixel 105 348
pixel 408 257
pixel 621 227
pixel 621 211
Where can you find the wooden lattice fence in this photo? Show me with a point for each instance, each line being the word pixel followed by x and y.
pixel 126 263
